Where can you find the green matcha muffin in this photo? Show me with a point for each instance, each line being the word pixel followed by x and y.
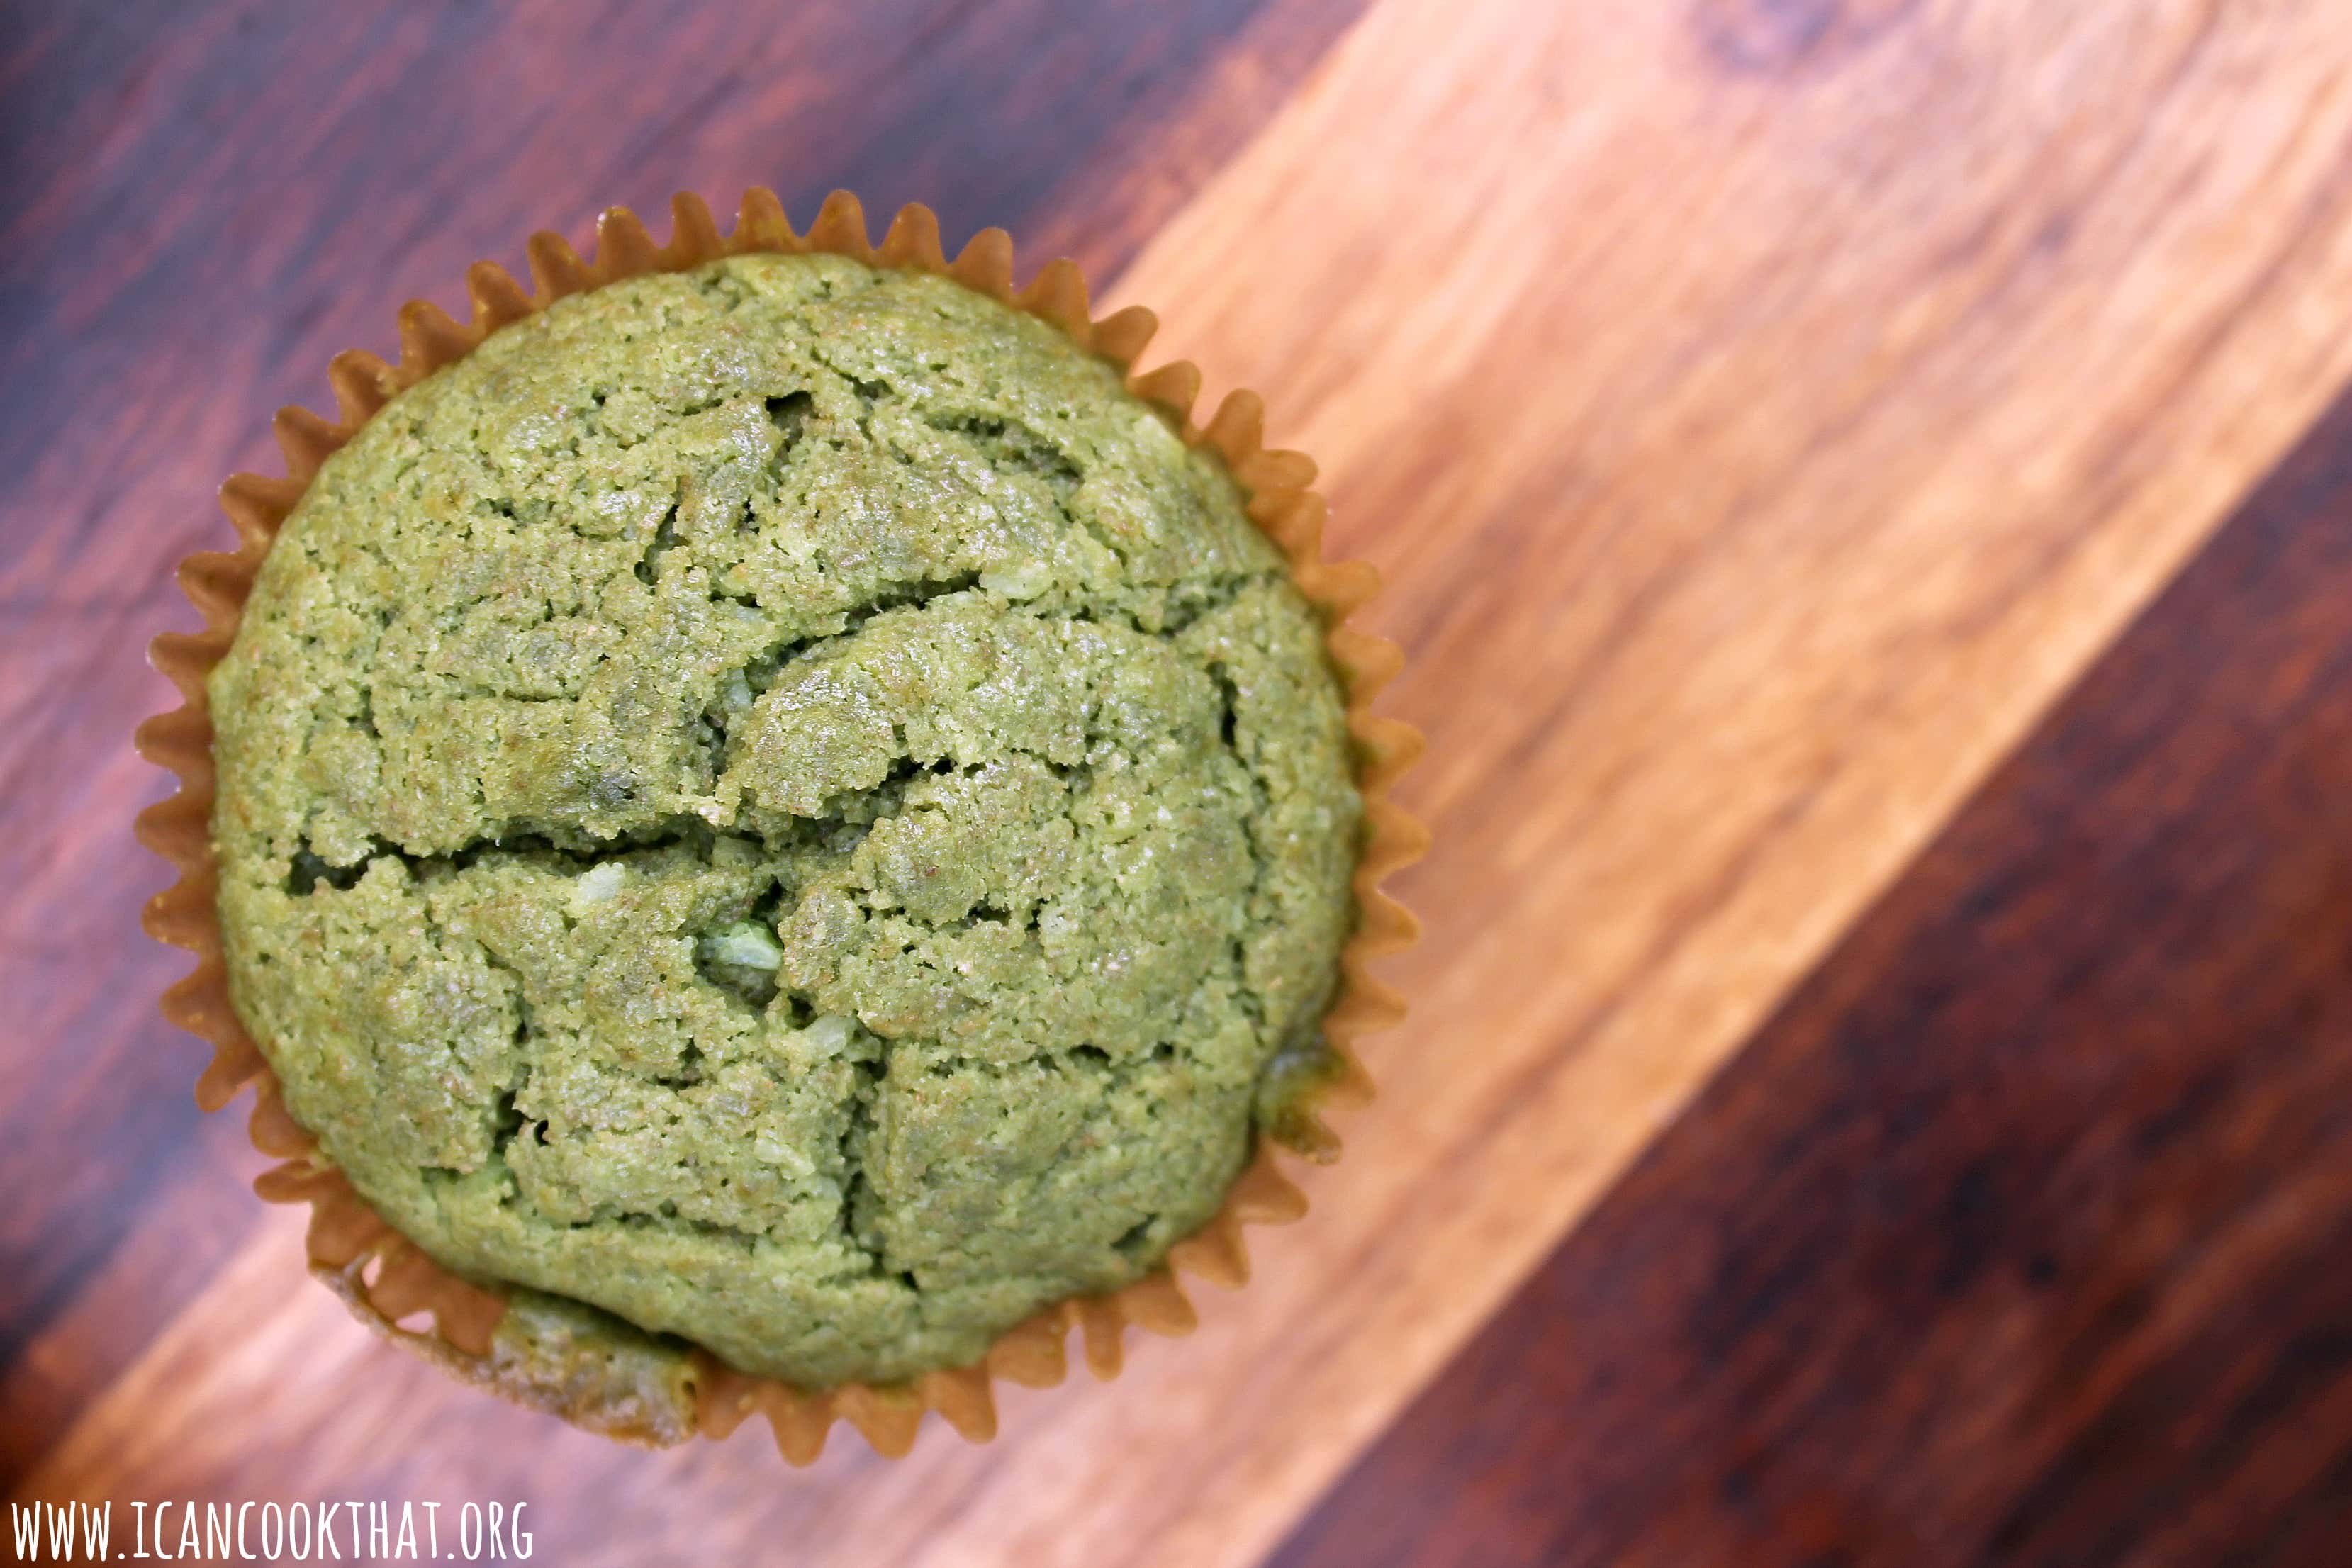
pixel 780 803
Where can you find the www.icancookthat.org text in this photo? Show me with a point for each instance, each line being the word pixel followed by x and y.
pixel 268 1533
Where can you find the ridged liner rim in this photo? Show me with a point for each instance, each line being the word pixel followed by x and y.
pixel 383 1277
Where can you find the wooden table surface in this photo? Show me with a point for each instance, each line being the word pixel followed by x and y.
pixel 1867 491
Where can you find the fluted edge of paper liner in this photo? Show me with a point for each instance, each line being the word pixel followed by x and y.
pixel 387 1279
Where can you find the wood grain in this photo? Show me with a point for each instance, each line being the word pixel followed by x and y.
pixel 2017 1236
pixel 1763 410
pixel 215 200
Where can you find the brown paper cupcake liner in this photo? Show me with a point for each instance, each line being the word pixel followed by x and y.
pixel 387 1279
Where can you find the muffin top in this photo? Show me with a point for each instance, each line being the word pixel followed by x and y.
pixel 781 802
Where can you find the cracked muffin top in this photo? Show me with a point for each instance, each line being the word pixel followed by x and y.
pixel 779 802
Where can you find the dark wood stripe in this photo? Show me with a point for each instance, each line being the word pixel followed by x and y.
pixel 205 204
pixel 2019 1235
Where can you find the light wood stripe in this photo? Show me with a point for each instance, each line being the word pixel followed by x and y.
pixel 1756 452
